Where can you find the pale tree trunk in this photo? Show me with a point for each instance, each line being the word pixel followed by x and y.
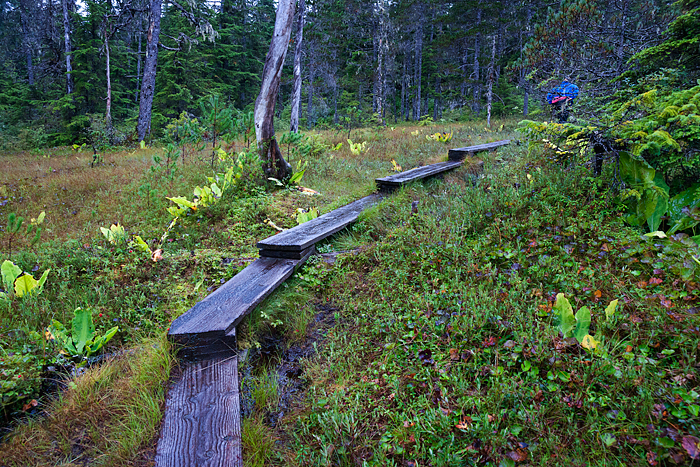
pixel 419 64
pixel 138 66
pixel 383 48
pixel 67 48
pixel 265 103
pixel 523 71
pixel 108 110
pixel 404 83
pixel 476 89
pixel 148 85
pixel 492 79
pixel 621 40
pixel 310 87
pixel 437 113
pixel 465 58
pixel 296 92
pixel 26 37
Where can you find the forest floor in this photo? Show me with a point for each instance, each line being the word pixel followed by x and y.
pixel 433 340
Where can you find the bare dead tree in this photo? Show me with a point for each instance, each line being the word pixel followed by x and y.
pixel 265 103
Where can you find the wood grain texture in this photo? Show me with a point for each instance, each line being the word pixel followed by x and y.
pixel 218 314
pixel 460 153
pixel 202 424
pixel 416 174
pixel 309 233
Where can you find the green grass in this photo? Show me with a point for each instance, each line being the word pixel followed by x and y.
pixel 448 351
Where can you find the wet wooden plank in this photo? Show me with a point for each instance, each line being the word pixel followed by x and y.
pixel 460 153
pixel 418 173
pixel 289 254
pixel 213 320
pixel 202 424
pixel 309 233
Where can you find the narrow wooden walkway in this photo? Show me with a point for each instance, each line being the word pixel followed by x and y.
pixel 301 237
pixel 460 153
pixel 202 413
pixel 394 181
pixel 208 329
pixel 202 425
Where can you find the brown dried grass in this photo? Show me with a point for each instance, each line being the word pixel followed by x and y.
pixel 110 417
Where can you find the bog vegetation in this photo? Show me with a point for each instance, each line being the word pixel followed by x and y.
pixel 541 308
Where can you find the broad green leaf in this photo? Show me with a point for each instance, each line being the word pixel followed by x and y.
pixel 42 279
pixel 658 234
pixel 589 342
pixel 565 313
pixel 689 197
pixel 100 341
pixel 661 190
pixel 184 202
pixel 83 328
pixel 583 323
pixel 24 285
pixel 637 173
pixel 141 244
pixel 10 272
pixel 3 296
pixel 610 309
pixel 296 177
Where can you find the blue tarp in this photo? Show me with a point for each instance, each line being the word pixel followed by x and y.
pixel 565 89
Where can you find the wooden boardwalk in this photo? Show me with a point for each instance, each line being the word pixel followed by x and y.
pixel 309 233
pixel 394 181
pixel 459 154
pixel 202 420
pixel 202 425
pixel 208 329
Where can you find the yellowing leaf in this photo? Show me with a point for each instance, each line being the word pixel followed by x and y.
pixel 25 284
pixel 589 342
pixel 658 234
pixel 610 310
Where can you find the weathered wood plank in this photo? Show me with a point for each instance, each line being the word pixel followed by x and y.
pixel 288 254
pixel 418 173
pixel 213 320
pixel 309 233
pixel 202 425
pixel 460 153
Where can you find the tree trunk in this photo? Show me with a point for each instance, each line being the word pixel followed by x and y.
pixel 383 48
pixel 492 79
pixel 419 64
pixel 621 40
pixel 67 47
pixel 476 89
pixel 265 103
pixel 26 38
pixel 335 103
pixel 138 67
pixel 465 58
pixel 404 107
pixel 438 90
pixel 310 88
pixel 108 110
pixel 296 90
pixel 148 85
